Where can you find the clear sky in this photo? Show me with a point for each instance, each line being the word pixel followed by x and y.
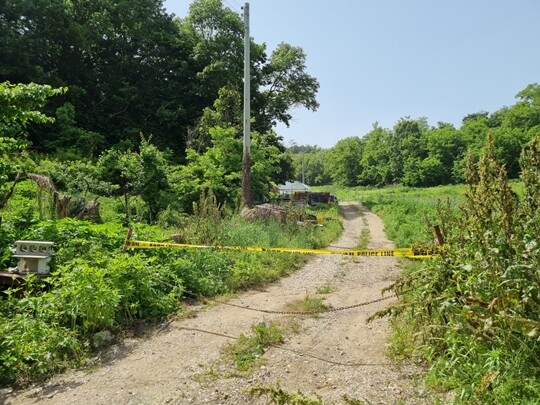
pixel 380 60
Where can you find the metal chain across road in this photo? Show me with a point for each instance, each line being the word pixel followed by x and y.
pixel 268 311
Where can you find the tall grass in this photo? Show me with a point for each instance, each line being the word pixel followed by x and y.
pixel 94 286
pixel 473 313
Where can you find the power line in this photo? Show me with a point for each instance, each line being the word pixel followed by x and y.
pixel 233 7
pixel 239 5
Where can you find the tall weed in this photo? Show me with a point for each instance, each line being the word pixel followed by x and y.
pixel 477 307
pixel 94 286
pixel 31 348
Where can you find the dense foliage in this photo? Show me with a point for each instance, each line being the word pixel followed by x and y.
pixel 473 313
pixel 20 106
pixel 142 111
pixel 95 287
pixel 414 154
pixel 126 69
pixel 130 67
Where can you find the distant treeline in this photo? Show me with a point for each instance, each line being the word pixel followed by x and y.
pixel 413 153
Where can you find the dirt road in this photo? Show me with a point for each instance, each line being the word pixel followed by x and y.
pixel 334 355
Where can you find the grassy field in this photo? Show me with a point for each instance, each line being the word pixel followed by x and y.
pixel 409 214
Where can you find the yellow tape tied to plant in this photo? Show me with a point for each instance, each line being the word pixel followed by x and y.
pixel 403 252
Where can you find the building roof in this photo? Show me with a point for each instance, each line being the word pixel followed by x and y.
pixel 292 187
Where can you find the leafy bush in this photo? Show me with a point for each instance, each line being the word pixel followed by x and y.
pixel 143 173
pixel 85 297
pixel 94 286
pixel 31 347
pixel 476 309
pixel 203 272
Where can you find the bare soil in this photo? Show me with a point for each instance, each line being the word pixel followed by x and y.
pixel 332 356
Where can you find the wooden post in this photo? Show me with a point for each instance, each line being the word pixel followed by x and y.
pixel 128 237
pixel 438 233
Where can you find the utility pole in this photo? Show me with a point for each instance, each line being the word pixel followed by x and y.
pixel 246 160
pixel 303 177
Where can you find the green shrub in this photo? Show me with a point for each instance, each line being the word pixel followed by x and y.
pixel 85 297
pixel 203 272
pixel 94 286
pixel 148 289
pixel 476 309
pixel 32 348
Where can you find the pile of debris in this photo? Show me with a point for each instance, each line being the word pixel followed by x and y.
pixel 265 212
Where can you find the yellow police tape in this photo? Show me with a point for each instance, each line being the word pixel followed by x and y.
pixel 404 252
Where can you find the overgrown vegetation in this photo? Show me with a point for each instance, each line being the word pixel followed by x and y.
pixel 474 311
pixel 408 213
pixel 95 287
pixel 472 314
pixel 46 325
pixel 173 77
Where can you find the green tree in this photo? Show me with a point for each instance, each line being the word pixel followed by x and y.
pixel 525 114
pixel 125 62
pixel 315 164
pixel 279 83
pixel 375 158
pixel 446 146
pixel 406 144
pixel 508 143
pixel 517 125
pixel 285 85
pixel 70 140
pixel 423 172
pixel 474 129
pixel 219 170
pixel 227 113
pixel 143 173
pixel 20 107
pixel 345 159
pixel 216 34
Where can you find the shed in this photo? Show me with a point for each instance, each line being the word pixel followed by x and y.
pixel 292 187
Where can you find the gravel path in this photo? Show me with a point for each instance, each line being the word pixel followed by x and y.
pixel 331 356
